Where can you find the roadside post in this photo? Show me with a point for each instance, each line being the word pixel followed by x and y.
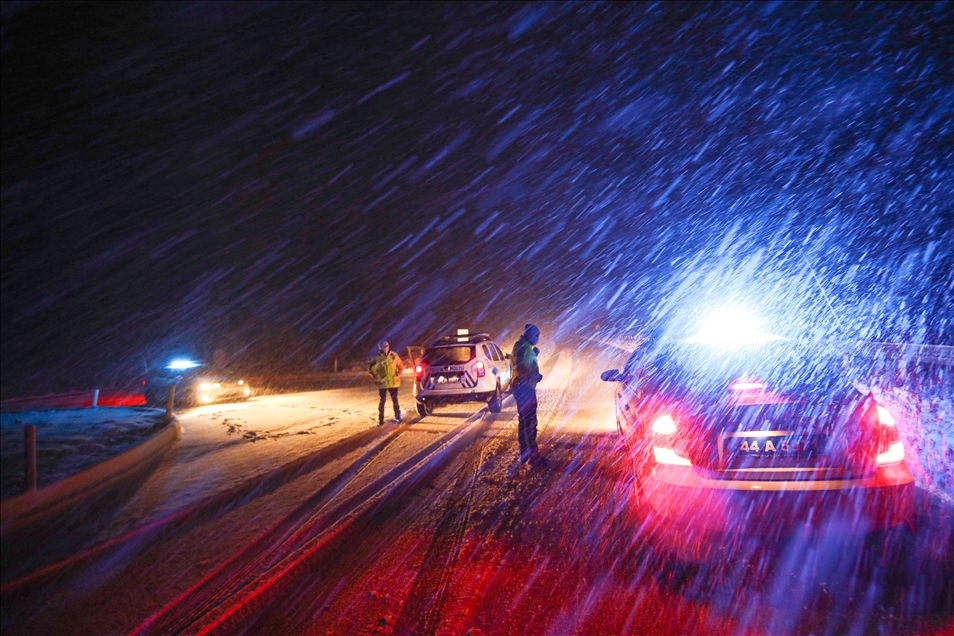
pixel 171 401
pixel 95 398
pixel 29 456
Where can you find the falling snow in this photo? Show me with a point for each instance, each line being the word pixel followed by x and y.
pixel 283 185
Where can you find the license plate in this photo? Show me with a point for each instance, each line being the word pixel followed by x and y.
pixel 773 444
pixel 444 379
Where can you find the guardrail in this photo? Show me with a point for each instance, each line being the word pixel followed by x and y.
pixel 33 506
pixel 60 401
pixel 914 353
pixel 73 400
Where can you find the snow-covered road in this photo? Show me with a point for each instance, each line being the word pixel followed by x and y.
pixel 226 529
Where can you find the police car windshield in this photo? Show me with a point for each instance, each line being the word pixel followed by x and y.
pixel 443 356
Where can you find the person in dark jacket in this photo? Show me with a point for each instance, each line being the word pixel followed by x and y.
pixel 526 377
pixel 386 368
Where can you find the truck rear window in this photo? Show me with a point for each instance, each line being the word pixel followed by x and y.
pixel 444 356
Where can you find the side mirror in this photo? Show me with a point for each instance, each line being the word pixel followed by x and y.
pixel 611 376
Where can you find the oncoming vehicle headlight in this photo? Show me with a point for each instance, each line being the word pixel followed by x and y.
pixel 205 386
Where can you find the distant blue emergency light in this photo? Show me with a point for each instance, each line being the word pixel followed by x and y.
pixel 183 364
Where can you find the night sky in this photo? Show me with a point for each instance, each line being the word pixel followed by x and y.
pixel 292 182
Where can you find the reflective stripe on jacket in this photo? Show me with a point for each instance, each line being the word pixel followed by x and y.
pixel 526 370
pixel 386 370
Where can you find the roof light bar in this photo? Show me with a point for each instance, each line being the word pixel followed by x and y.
pixel 732 328
pixel 183 364
pixel 747 386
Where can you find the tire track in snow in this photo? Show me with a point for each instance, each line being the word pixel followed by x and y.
pixel 243 585
pixel 260 554
pixel 444 550
pixel 188 517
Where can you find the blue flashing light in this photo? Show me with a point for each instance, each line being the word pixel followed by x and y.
pixel 183 364
pixel 732 328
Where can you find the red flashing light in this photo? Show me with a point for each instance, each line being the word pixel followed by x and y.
pixel 481 371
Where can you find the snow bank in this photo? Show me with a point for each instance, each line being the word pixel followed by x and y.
pixel 69 441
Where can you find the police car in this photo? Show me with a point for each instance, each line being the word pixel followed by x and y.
pixel 764 438
pixel 195 385
pixel 463 367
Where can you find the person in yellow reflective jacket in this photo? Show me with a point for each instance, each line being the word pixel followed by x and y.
pixel 527 375
pixel 386 368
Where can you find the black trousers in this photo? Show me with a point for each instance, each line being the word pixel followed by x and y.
pixel 526 397
pixel 394 400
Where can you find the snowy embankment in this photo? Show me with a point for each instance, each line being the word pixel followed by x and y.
pixel 69 441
